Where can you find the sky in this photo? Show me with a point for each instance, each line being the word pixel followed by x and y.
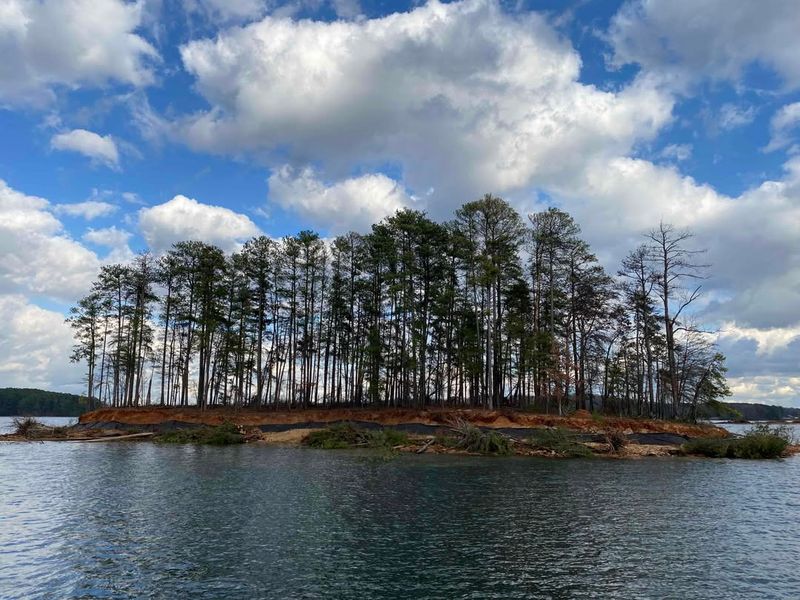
pixel 127 126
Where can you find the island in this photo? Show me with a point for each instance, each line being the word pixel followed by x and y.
pixel 580 434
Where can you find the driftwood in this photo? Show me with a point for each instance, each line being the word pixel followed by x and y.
pixel 111 438
pixel 426 445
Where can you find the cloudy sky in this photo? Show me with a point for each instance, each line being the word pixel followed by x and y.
pixel 131 125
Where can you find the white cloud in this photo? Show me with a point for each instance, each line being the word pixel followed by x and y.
pixel 89 209
pixel 36 256
pixel 101 149
pixel 766 389
pixel 110 237
pixel 354 203
pixel 682 41
pixel 465 96
pixel 35 345
pixel 346 9
pixel 116 240
pixel 782 125
pixel 732 116
pixel 678 152
pixel 183 218
pixel 132 198
pixel 226 10
pixel 70 43
pixel 768 340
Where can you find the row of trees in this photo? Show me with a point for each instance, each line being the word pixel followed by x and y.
pixel 484 310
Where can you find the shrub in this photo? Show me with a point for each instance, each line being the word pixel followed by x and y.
pixel 346 435
pixel 560 441
pixel 223 435
pixel 785 432
pixel 711 447
pixel 758 446
pixel 25 426
pixel 761 441
pixel 473 439
pixel 616 440
pixel 388 438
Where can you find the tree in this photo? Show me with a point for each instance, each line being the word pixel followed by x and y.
pixel 413 313
pixel 85 320
pixel 674 266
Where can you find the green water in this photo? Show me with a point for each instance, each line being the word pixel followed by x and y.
pixel 138 520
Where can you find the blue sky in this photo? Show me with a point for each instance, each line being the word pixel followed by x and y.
pixel 132 124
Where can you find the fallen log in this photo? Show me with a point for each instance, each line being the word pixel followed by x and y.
pixel 113 438
pixel 426 445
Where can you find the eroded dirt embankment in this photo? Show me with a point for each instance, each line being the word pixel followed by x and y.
pixel 580 421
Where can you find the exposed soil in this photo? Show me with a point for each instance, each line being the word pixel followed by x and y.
pixel 581 421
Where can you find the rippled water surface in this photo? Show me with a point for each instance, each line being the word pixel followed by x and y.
pixel 138 520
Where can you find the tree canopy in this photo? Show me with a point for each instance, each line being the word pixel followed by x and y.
pixel 487 310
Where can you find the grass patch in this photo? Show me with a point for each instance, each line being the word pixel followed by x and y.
pixel 598 417
pixel 223 435
pixel 341 436
pixel 474 439
pixel 760 442
pixel 560 441
pixel 710 447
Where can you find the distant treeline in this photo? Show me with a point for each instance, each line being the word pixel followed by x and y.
pixel 40 403
pixel 751 412
pixel 486 310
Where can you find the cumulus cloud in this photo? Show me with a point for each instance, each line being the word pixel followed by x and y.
pixel 466 99
pixel 70 43
pixel 36 255
pixel 751 239
pixel 354 203
pixel 782 126
pixel 767 340
pixel 681 41
pixel 35 344
pixel 101 149
pixel 110 237
pixel 184 218
pixel 462 94
pixel 766 389
pixel 89 209
pixel 113 238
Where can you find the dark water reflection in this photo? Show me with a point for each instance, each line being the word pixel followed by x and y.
pixel 128 520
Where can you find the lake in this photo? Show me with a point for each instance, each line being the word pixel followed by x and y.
pixel 139 520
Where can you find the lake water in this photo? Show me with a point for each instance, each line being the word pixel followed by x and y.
pixel 139 520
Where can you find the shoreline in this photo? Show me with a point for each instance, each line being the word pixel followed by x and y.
pixel 579 421
pixel 424 429
pixel 431 430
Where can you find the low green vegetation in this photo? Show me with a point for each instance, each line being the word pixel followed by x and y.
pixel 466 436
pixel 598 417
pixel 347 435
pixel 761 441
pixel 223 435
pixel 560 441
